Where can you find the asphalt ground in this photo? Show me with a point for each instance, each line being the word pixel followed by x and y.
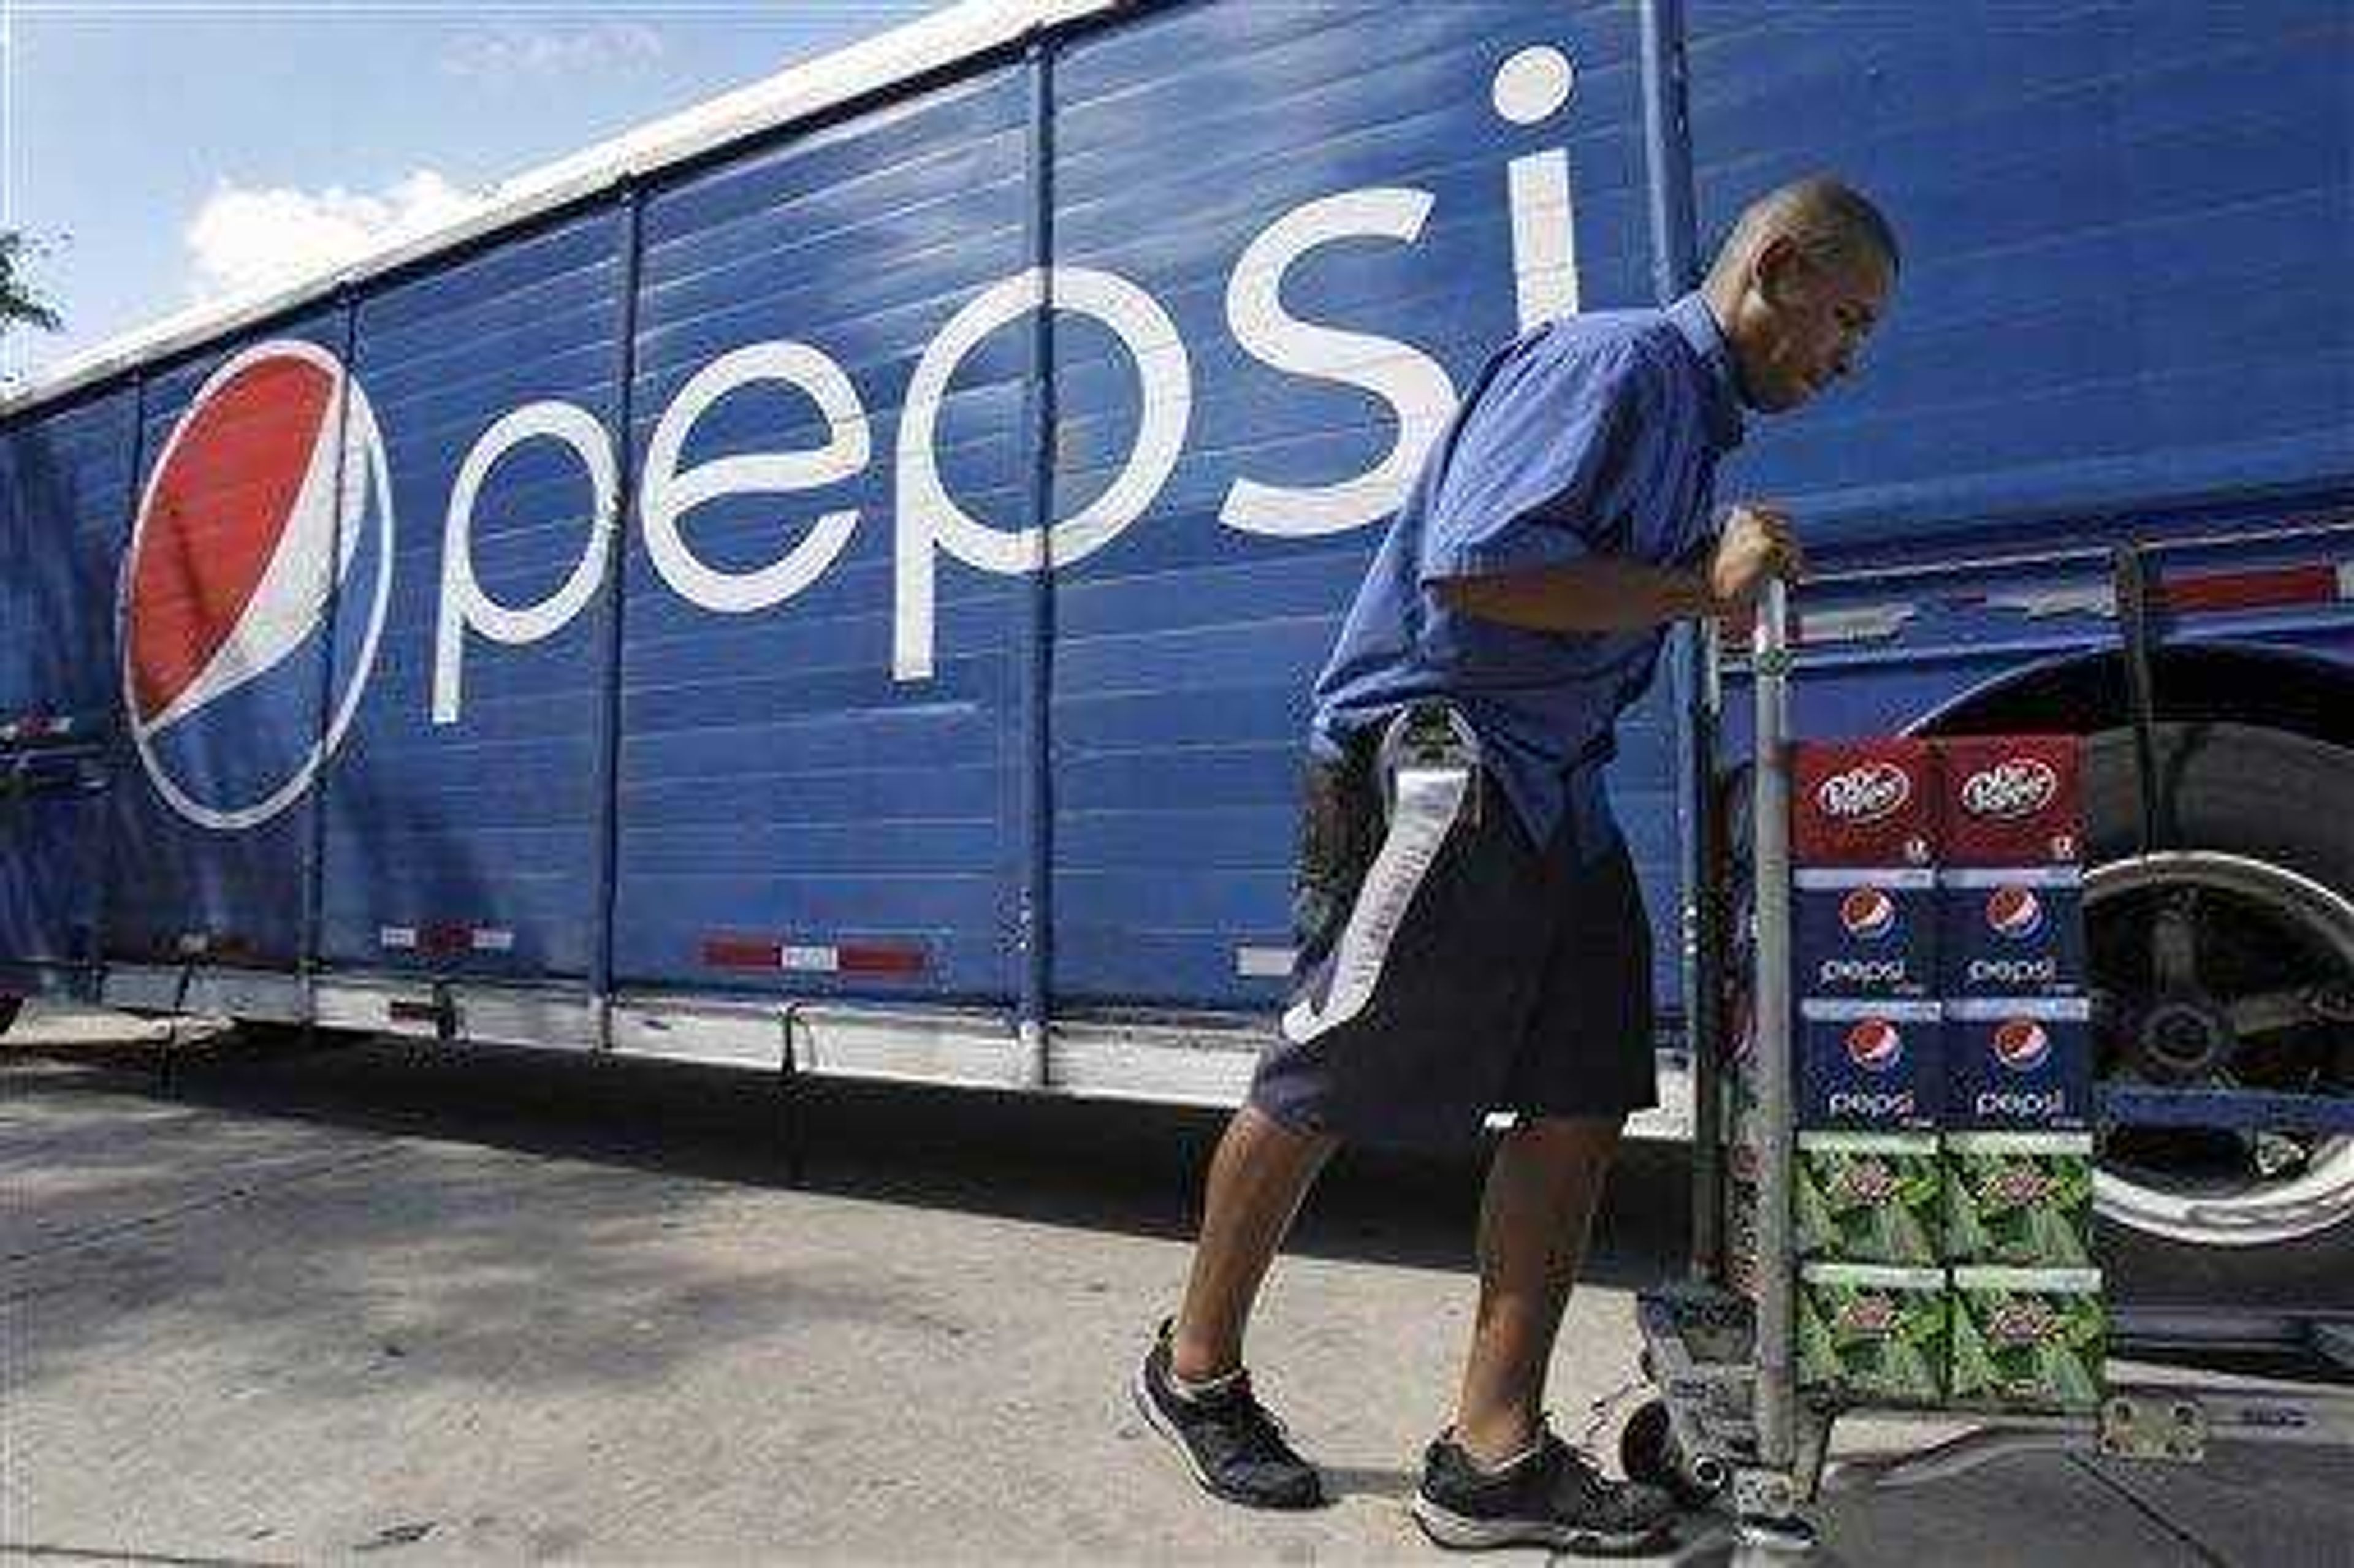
pixel 399 1305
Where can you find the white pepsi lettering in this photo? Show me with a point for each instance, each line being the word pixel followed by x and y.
pixel 1529 87
pixel 669 492
pixel 2012 971
pixel 929 519
pixel 2022 1105
pixel 1414 385
pixel 1872 1104
pixel 1863 971
pixel 464 606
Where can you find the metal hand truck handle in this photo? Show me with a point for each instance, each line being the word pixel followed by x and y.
pixel 1776 1386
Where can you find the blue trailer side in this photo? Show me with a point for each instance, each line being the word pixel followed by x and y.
pixel 849 567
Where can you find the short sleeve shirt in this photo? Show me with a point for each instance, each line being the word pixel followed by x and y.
pixel 1591 435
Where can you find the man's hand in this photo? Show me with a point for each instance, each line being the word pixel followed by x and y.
pixel 1757 543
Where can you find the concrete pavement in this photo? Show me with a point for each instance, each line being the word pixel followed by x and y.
pixel 413 1305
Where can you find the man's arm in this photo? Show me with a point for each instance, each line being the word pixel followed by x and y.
pixel 1614 593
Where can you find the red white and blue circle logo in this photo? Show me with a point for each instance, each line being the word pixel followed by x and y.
pixel 254 590
pixel 1868 913
pixel 1875 1044
pixel 2022 1044
pixel 2014 913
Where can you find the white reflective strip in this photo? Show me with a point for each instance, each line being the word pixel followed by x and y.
pixel 1428 801
pixel 396 935
pixel 1814 878
pixel 2096 598
pixel 194 942
pixel 1979 1010
pixel 2346 579
pixel 1844 1010
pixel 1263 963
pixel 1861 623
pixel 822 960
pixel 2016 877
pixel 494 939
pixel 9 731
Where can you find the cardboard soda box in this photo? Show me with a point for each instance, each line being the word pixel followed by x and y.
pixel 1868 803
pixel 2028 1339
pixel 1864 932
pixel 2019 1200
pixel 2009 800
pixel 2011 931
pixel 1868 1197
pixel 1871 1065
pixel 1870 1334
pixel 2018 1064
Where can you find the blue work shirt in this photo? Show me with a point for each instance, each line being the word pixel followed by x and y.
pixel 1592 435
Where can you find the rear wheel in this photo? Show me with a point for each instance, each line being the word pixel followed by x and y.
pixel 2227 963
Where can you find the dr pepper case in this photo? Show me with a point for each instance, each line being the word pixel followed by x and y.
pixel 2009 800
pixel 1863 803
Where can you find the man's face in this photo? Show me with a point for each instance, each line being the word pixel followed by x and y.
pixel 1804 318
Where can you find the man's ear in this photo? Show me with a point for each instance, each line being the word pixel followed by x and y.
pixel 1778 273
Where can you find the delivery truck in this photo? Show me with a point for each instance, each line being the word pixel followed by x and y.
pixel 831 581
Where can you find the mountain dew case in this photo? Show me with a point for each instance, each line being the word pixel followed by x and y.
pixel 2028 1338
pixel 2019 1200
pixel 1873 1334
pixel 1868 1197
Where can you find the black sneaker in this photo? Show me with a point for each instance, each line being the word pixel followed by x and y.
pixel 1554 1498
pixel 1228 1440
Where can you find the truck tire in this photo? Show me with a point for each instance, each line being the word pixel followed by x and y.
pixel 2228 959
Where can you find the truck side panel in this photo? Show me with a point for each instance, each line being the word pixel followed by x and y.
pixel 2126 232
pixel 792 815
pixel 462 811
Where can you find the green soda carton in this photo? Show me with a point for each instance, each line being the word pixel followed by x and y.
pixel 2028 1339
pixel 1868 1197
pixel 2020 1200
pixel 1873 1334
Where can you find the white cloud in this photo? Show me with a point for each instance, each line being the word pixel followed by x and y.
pixel 510 52
pixel 246 239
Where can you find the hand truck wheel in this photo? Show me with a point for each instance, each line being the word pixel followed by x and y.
pixel 1649 1452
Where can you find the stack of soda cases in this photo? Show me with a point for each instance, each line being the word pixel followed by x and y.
pixel 1941 1188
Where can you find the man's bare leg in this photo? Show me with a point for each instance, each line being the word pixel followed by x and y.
pixel 1533 1217
pixel 1257 1178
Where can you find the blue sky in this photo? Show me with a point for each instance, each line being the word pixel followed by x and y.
pixel 168 153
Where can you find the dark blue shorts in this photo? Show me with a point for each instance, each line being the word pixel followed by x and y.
pixel 1502 976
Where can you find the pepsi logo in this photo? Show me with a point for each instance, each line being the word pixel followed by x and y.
pixel 1868 913
pixel 2015 913
pixel 254 590
pixel 2016 787
pixel 1869 793
pixel 1875 1044
pixel 2022 1044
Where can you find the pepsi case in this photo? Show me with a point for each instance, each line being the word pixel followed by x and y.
pixel 2009 800
pixel 2013 931
pixel 1865 803
pixel 1857 932
pixel 2018 1064
pixel 1875 1064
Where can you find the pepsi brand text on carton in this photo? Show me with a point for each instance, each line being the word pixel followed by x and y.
pixel 2009 800
pixel 1868 803
pixel 2011 931
pixel 2018 1064
pixel 1875 1064
pixel 1857 932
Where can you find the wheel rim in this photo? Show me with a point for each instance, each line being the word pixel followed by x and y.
pixel 2221 971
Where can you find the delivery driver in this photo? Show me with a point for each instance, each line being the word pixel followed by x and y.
pixel 1471 937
